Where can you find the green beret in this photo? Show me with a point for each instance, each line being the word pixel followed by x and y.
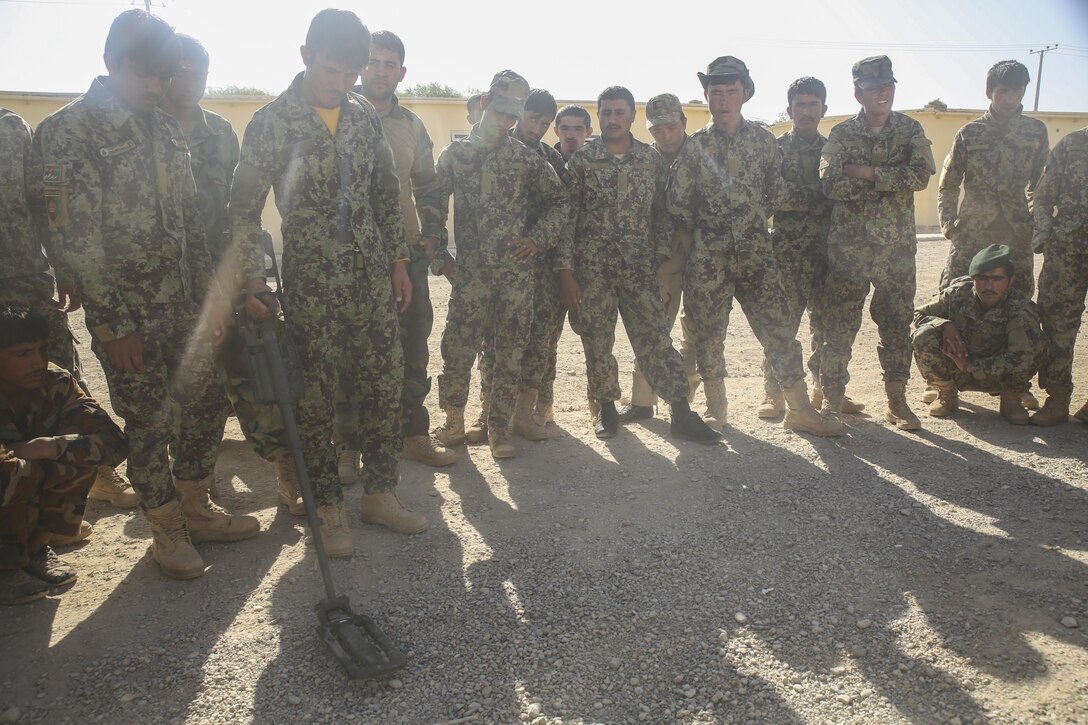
pixel 992 257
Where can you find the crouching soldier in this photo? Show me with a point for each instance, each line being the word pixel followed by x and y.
pixel 980 333
pixel 53 438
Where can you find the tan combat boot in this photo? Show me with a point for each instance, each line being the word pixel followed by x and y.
pixel 830 407
pixel 775 405
pixel 477 432
pixel 1012 410
pixel 947 401
pixel 526 424
pixel 110 486
pixel 851 407
pixel 545 412
pixel 386 509
pixel 1056 407
pixel 1029 401
pixel 803 418
pixel 427 449
pixel 348 466
pixel 208 521
pixel 452 432
pixel 929 395
pixel 84 533
pixel 898 411
pixel 334 531
pixel 716 414
pixel 501 444
pixel 171 545
pixel 287 485
pixel 1082 414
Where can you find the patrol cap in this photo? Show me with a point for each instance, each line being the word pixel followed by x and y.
pixel 508 93
pixel 728 67
pixel 873 72
pixel 992 257
pixel 662 109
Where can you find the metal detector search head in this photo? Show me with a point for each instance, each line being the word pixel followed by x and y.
pixel 355 641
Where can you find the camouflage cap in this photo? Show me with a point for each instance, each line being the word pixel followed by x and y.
pixel 508 93
pixel 728 66
pixel 662 109
pixel 992 257
pixel 873 72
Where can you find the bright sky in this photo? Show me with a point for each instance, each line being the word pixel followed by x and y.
pixel 940 48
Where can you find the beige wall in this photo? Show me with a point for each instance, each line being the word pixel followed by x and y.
pixel 445 117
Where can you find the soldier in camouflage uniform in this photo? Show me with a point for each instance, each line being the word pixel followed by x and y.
pixel 123 217
pixel 323 151
pixel 53 439
pixel 1061 235
pixel 213 155
pixel 620 234
pixel 26 280
pixel 979 333
pixel 870 168
pixel 725 184
pixel 668 125
pixel 573 126
pixel 498 186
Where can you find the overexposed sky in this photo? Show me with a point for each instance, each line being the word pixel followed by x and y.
pixel 939 48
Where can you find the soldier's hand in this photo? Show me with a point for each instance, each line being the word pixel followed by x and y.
pixel 522 249
pixel 570 294
pixel 402 286
pixel 448 269
pixel 859 171
pixel 430 246
pixel 126 353
pixel 660 258
pixel 69 301
pixel 37 449
pixel 255 308
pixel 954 346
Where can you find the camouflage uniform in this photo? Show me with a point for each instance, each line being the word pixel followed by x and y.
pixel 213 149
pixel 995 162
pixel 123 217
pixel 413 158
pixel 871 241
pixel 25 278
pixel 52 494
pixel 620 225
pixel 799 238
pixel 1003 343
pixel 342 228
pixel 496 193
pixel 724 189
pixel 670 283
pixel 1061 234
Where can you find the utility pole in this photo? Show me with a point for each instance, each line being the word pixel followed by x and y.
pixel 1039 75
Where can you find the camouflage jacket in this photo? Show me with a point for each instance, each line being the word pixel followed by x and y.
pixel 1004 338
pixel 617 207
pixel 122 209
pixel 804 206
pixel 495 193
pixel 880 212
pixel 20 201
pixel 724 189
pixel 670 160
pixel 996 163
pixel 1061 198
pixel 213 147
pixel 59 409
pixel 338 195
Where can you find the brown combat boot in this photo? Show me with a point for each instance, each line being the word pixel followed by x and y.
pixel 452 432
pixel 287 485
pixel 775 405
pixel 429 450
pixel 501 444
pixel 526 424
pixel 208 521
pixel 802 417
pixel 1082 414
pixel 898 411
pixel 385 508
pixel 348 466
pixel 171 545
pixel 947 401
pixel 111 487
pixel 716 414
pixel 477 432
pixel 1012 410
pixel 335 534
pixel 1056 407
pixel 84 533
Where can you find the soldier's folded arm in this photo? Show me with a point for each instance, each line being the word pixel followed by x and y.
pixel 837 185
pixel 933 313
pixel 914 175
pixel 92 437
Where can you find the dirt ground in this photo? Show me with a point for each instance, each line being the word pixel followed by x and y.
pixel 884 577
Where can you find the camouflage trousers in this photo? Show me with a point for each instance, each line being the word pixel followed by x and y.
pixel 852 268
pixel 164 406
pixel 631 293
pixel 344 326
pixel 48 496
pixel 36 292
pixel 714 278
pixel 802 262
pixel 490 308
pixel 1063 283
pixel 966 243
pixel 415 332
pixel 670 284
pixel 934 365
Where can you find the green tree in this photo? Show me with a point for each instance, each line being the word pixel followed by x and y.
pixel 225 91
pixel 431 90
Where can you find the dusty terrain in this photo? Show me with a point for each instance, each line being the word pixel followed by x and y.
pixel 883 577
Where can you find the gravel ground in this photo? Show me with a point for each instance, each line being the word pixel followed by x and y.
pixel 883 577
